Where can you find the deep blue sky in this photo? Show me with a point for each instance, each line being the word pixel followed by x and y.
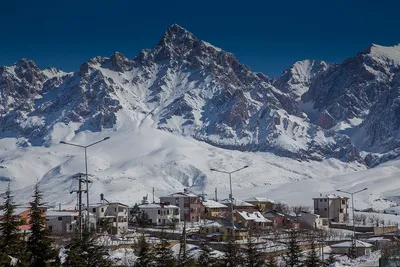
pixel 267 36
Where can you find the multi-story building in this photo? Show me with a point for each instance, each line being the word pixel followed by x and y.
pixel 64 221
pixel 261 203
pixel 212 208
pixel 253 220
pixel 111 217
pixel 160 213
pixel 188 203
pixel 239 205
pixel 333 207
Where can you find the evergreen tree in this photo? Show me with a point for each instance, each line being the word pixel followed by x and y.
pixel 184 259
pixel 164 256
pixel 144 253
pixel 312 259
pixel 233 257
pixel 10 243
pixel 5 260
pixel 204 256
pixel 293 254
pixel 253 258
pixel 85 253
pixel 142 218
pixel 271 262
pixel 39 246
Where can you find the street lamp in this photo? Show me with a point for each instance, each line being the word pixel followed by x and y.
pixel 352 203
pixel 87 176
pixel 230 195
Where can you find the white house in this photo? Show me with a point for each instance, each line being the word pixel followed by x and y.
pixel 313 221
pixel 62 221
pixel 160 213
pixel 111 217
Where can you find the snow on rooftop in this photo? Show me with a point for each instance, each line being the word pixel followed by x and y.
pixel 238 203
pixel 253 216
pixel 56 213
pixel 213 204
pixel 157 206
pixel 259 199
pixel 348 244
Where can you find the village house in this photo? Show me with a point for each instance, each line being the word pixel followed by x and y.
pixel 261 203
pixel 239 205
pixel 252 220
pixel 188 203
pixel 222 231
pixel 211 208
pixel 64 221
pixel 111 217
pixel 160 213
pixel 363 248
pixel 312 221
pixel 333 207
pixel 282 220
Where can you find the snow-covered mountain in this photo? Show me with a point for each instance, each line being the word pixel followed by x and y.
pixel 299 77
pixel 184 106
pixel 185 86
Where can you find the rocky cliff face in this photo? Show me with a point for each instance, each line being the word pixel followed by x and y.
pixel 189 87
pixel 347 91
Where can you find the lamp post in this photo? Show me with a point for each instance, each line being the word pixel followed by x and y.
pixel 230 195
pixel 352 203
pixel 87 176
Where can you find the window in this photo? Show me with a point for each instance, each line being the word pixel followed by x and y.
pixel 50 227
pixel 325 209
pixel 94 210
pixel 159 212
pixel 320 200
pixel 343 202
pixel 159 220
pixel 167 212
pixel 60 218
pixel 75 218
pixel 341 210
pixel 115 209
pixel 325 200
pixel 102 209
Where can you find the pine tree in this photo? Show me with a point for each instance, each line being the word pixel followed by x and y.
pixel 5 260
pixel 233 257
pixel 292 257
pixel 253 258
pixel 271 262
pixel 144 253
pixel 10 242
pixel 204 258
pixel 142 218
pixel 39 246
pixel 164 256
pixel 312 259
pixel 86 253
pixel 184 259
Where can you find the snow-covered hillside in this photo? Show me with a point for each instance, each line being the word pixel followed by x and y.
pixel 132 161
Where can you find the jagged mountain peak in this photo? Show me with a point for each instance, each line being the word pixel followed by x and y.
pixel 25 63
pixel 297 79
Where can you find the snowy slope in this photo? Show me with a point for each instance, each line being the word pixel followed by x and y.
pixel 132 161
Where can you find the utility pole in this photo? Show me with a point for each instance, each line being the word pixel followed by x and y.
pixel 216 197
pixel 153 195
pixel 87 175
pixel 79 194
pixel 231 195
pixel 354 221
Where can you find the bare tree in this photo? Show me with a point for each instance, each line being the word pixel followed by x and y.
pixel 299 208
pixel 281 207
